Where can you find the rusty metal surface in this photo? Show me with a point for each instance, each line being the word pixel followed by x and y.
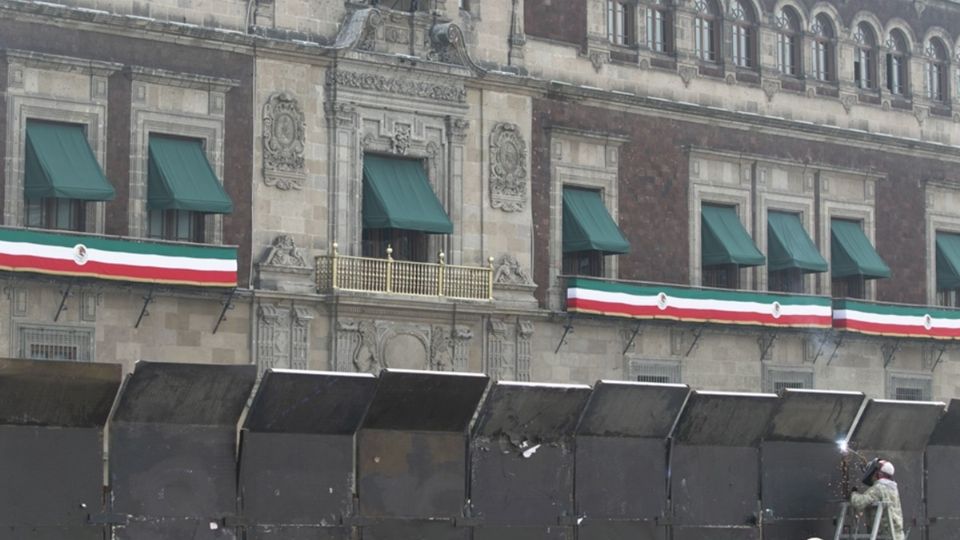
pixel 813 416
pixel 724 419
pixel 424 401
pixel 896 425
pixel 626 409
pixel 621 478
pixel 310 402
pixel 714 485
pixel 48 393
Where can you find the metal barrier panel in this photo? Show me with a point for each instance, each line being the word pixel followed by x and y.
pixel 714 463
pixel 621 459
pixel 51 448
pixel 522 461
pixel 801 462
pixel 898 431
pixel 411 453
pixel 173 450
pixel 943 477
pixel 297 454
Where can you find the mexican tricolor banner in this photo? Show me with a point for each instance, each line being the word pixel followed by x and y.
pixel 118 259
pixel 642 301
pixel 896 320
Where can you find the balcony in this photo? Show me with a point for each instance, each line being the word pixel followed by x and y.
pixel 388 276
pixel 896 320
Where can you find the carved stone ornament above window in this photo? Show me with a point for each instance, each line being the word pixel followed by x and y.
pixel 283 142
pixel 508 168
pixel 284 252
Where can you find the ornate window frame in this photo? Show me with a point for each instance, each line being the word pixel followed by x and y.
pixel 938 220
pixel 769 200
pixel 838 208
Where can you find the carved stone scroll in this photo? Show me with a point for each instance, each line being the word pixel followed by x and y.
pixel 283 142
pixel 508 168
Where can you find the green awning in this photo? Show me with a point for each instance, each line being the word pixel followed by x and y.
pixel 60 164
pixel 852 254
pixel 397 195
pixel 724 240
pixel 948 261
pixel 181 178
pixel 587 226
pixel 789 247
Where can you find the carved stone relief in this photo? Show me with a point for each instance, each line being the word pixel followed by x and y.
pixel 283 142
pixel 372 345
pixel 283 336
pixel 400 142
pixel 508 168
pixel 451 93
pixel 507 270
pixel 284 252
pixel 509 349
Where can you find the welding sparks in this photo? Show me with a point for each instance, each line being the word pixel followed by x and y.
pixel 843 446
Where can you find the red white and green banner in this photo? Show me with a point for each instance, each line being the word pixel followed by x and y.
pixel 117 258
pixel 896 320
pixel 642 301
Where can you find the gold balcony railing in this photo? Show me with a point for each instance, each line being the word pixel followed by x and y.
pixel 337 272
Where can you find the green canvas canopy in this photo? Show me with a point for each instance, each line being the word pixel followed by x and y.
pixel 789 246
pixel 725 240
pixel 397 195
pixel 181 178
pixel 60 164
pixel 587 226
pixel 852 254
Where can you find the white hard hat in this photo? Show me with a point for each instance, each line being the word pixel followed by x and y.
pixel 887 468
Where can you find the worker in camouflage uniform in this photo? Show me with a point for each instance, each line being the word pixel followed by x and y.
pixel 884 489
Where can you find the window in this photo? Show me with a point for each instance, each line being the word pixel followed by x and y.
pixel 910 387
pixel 177 225
pixel 824 47
pixel 937 69
pixel 589 232
pixel 790 252
pixel 777 379
pixel 621 28
pixel 789 280
pixel 583 263
pixel 897 63
pixel 849 287
pixel 55 213
pixel 865 57
pixel 659 27
pixel 788 52
pixel 406 245
pixel 53 343
pixel 706 34
pixel 722 277
pixel 725 247
pixel 853 259
pixel 947 245
pixel 743 42
pixel 653 372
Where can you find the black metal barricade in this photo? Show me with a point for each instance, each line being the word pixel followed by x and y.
pixel 173 450
pixel 714 463
pixel 411 455
pixel 51 448
pixel 943 477
pixel 802 468
pixel 522 461
pixel 297 454
pixel 898 431
pixel 621 460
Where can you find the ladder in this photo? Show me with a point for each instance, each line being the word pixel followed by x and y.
pixel 853 529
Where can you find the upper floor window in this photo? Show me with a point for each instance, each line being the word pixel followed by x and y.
pixel 788 51
pixel 705 29
pixel 897 63
pixel 744 38
pixel 409 5
pixel 621 28
pixel 947 267
pixel 865 57
pixel 589 233
pixel 937 69
pixel 659 27
pixel 824 48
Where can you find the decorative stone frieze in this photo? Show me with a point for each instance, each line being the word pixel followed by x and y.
pixel 508 168
pixel 508 349
pixel 283 142
pixel 283 336
pixel 451 93
pixel 286 268
pixel 372 345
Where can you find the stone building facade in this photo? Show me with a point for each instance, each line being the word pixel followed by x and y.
pixel 823 113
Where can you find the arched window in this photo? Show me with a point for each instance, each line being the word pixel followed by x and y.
pixel 788 38
pixel 897 63
pixel 621 25
pixel 744 34
pixel 865 57
pixel 707 36
pixel 937 69
pixel 824 47
pixel 659 27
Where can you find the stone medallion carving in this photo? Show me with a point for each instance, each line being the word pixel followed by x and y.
pixel 284 252
pixel 508 168
pixel 283 142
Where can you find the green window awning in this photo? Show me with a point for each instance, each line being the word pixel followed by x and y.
pixel 179 177
pixel 724 240
pixel 852 254
pixel 948 261
pixel 789 247
pixel 587 226
pixel 397 195
pixel 60 164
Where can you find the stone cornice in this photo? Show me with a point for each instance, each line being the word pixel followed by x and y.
pixel 182 80
pixel 57 62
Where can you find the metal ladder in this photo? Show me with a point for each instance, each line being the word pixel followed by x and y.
pixel 854 533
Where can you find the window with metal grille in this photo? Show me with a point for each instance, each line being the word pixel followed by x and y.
pixel 56 343
pixel 910 388
pixel 776 379
pixel 653 372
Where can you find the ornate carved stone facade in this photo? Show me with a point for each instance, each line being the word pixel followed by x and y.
pixel 454 93
pixel 283 142
pixel 372 345
pixel 508 168
pixel 283 336
pixel 284 252
pixel 507 271
pixel 509 349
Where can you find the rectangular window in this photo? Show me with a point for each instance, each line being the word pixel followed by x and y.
pixel 704 36
pixel 785 53
pixel 722 277
pixel 849 287
pixel 788 281
pixel 620 23
pixel 910 387
pixel 657 30
pixel 583 263
pixel 54 343
pixel 821 59
pixel 777 379
pixel 51 213
pixel 741 46
pixel 406 245
pixel 176 225
pixel 653 372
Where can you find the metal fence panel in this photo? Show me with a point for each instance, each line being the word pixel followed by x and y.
pixel 396 530
pixel 173 450
pixel 51 450
pixel 612 530
pixel 943 470
pixel 523 533
pixel 724 419
pixel 625 409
